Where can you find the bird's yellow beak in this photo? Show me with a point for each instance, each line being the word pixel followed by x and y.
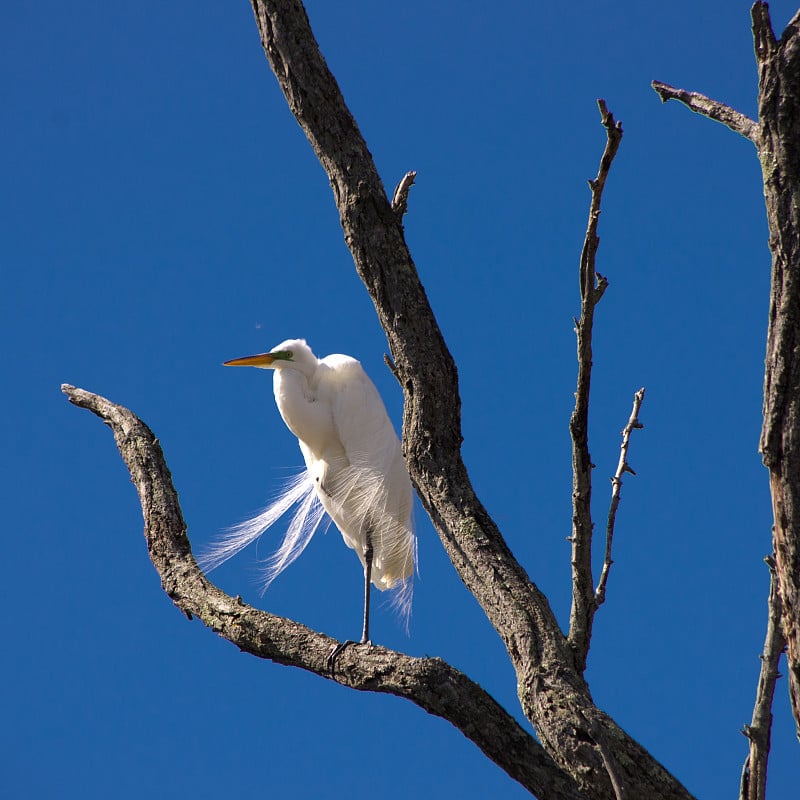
pixel 260 360
pixel 263 360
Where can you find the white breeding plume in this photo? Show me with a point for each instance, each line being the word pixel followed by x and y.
pixel 354 471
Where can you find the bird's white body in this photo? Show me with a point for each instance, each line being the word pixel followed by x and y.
pixel 352 455
pixel 354 464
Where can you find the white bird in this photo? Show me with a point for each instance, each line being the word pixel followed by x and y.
pixel 354 469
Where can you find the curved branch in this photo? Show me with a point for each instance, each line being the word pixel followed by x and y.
pixel 430 683
pixel 713 109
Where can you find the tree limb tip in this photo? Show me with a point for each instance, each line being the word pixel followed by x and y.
pixel 95 403
pixel 400 198
pixel 607 117
pixel 713 109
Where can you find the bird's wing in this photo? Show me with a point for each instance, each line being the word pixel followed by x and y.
pixel 377 482
pixel 374 493
pixel 359 416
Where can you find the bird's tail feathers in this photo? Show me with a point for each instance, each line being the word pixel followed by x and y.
pixel 303 526
pixel 399 600
pixel 305 521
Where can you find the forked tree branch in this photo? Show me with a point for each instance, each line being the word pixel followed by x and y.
pixel 754 774
pixel 592 286
pixel 430 683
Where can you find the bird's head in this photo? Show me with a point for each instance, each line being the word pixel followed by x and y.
pixel 292 352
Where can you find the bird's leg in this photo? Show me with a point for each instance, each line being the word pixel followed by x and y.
pixel 368 554
pixel 367 582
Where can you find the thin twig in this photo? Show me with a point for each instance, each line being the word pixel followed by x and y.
pixel 754 773
pixel 387 359
pixel 611 769
pixel 713 109
pixel 400 198
pixel 609 762
pixel 592 286
pixel 744 779
pixel 616 490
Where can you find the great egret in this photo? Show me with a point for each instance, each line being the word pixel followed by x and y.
pixel 354 469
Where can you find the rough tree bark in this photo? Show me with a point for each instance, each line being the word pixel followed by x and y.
pixel 583 753
pixel 776 136
pixel 779 153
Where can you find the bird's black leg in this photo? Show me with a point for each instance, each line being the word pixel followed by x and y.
pixel 367 587
pixel 368 554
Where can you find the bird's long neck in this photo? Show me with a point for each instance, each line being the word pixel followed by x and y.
pixel 296 397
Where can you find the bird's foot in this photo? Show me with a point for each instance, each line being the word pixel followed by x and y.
pixel 336 652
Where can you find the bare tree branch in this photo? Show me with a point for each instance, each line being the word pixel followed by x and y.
pixel 713 109
pixel 616 490
pixel 754 773
pixel 592 286
pixel 387 359
pixel 431 683
pixel 610 765
pixel 400 198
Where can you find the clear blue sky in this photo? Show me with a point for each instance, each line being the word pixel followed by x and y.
pixel 162 212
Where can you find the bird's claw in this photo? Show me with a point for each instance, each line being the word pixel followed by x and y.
pixel 334 654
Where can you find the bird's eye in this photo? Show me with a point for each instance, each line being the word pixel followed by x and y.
pixel 289 354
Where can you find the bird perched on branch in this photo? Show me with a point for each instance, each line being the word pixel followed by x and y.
pixel 354 470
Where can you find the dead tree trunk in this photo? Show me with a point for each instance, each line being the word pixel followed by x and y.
pixel 776 136
pixel 779 153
